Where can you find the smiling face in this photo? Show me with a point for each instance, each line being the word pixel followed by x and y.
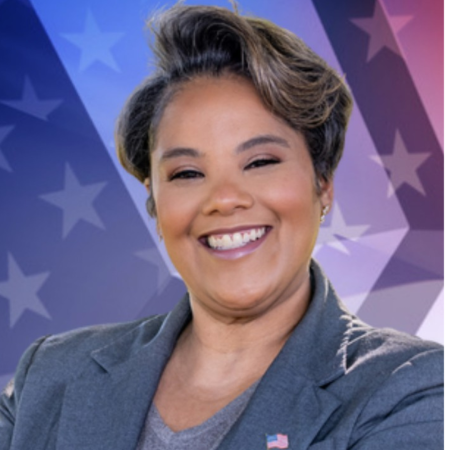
pixel 235 196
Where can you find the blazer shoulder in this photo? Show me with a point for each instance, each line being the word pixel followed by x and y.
pixel 402 377
pixel 365 339
pixel 66 354
pixel 382 351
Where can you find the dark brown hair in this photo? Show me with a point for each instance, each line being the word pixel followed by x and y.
pixel 293 82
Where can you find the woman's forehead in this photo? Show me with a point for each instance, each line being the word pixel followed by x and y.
pixel 225 106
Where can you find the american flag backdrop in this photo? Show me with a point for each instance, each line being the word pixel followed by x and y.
pixel 76 245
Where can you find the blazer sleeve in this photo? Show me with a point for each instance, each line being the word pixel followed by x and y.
pixel 10 397
pixel 406 413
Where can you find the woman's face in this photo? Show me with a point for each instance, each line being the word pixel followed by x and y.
pixel 235 197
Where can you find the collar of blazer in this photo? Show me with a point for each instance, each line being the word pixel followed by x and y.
pixel 106 407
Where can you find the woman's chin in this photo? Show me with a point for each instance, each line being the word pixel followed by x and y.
pixel 237 304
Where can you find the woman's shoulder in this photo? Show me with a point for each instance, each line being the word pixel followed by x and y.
pixel 387 347
pixel 396 381
pixel 389 364
pixel 91 337
pixel 67 353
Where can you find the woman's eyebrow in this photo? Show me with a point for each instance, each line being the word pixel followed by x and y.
pixel 261 140
pixel 253 142
pixel 180 151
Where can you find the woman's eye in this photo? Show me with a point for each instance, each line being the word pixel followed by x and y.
pixel 262 162
pixel 185 174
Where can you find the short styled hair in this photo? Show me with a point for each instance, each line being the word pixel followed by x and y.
pixel 294 83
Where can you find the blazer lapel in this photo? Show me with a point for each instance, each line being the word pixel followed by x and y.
pixel 106 407
pixel 293 407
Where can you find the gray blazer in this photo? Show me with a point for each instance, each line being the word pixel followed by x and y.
pixel 337 384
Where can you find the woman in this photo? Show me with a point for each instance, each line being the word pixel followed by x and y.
pixel 236 138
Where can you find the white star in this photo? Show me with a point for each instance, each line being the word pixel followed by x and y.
pixel 402 166
pixel 380 32
pixel 153 256
pixel 338 231
pixel 20 290
pixel 94 44
pixel 30 103
pixel 4 131
pixel 76 201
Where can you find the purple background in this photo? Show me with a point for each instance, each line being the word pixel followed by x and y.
pixel 76 245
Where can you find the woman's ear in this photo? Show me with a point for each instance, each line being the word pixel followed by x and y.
pixel 147 185
pixel 326 192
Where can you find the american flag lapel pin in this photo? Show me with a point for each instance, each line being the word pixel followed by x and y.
pixel 277 441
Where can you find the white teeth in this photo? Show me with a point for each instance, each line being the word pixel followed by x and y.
pixel 235 240
pixel 226 240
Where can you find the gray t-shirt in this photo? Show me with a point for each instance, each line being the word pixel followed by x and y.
pixel 206 436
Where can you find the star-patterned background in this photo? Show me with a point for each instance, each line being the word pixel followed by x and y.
pixel 76 245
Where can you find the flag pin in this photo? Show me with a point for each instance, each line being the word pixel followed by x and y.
pixel 277 441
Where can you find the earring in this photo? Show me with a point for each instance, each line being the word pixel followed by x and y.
pixel 325 210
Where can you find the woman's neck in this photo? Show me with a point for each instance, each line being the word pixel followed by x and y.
pixel 216 349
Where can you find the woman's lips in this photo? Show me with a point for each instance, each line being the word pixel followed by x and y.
pixel 230 245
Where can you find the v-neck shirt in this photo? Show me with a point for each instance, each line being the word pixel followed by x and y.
pixel 206 436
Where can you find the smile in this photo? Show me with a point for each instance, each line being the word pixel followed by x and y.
pixel 235 240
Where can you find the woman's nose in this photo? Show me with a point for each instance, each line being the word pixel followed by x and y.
pixel 226 197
